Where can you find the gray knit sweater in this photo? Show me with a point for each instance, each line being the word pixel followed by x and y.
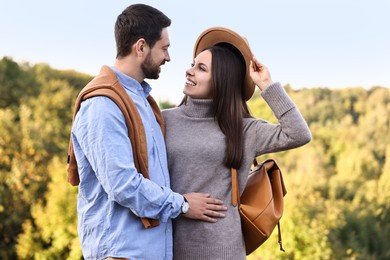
pixel 196 150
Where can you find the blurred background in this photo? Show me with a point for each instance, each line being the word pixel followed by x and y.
pixel 331 56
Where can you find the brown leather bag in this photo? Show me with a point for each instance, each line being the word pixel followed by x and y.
pixel 261 203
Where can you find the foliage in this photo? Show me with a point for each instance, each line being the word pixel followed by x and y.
pixel 17 83
pixel 55 221
pixel 337 204
pixel 338 185
pixel 34 117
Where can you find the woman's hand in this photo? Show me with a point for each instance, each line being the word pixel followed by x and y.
pixel 259 74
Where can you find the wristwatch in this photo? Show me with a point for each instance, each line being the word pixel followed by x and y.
pixel 185 206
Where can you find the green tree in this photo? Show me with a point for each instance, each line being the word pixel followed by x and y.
pixel 35 123
pixel 337 202
pixel 52 233
pixel 17 83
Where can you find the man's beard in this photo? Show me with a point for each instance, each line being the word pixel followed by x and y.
pixel 150 69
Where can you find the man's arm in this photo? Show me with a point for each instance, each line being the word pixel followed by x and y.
pixel 102 135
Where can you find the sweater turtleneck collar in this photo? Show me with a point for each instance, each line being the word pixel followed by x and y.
pixel 200 108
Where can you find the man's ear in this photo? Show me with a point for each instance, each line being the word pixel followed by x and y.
pixel 140 46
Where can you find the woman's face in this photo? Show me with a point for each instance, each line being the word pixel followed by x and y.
pixel 198 78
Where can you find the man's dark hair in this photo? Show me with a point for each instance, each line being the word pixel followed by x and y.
pixel 138 21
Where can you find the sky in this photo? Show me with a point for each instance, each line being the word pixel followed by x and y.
pixel 304 43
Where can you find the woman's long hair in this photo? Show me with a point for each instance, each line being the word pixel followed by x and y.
pixel 229 106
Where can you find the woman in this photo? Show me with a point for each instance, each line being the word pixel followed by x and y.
pixel 212 131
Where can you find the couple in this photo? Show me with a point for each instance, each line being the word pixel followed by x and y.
pixel 189 167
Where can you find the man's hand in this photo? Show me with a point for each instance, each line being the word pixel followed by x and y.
pixel 204 208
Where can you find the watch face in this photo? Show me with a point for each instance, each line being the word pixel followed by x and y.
pixel 185 207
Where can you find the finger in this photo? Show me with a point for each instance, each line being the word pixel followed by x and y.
pixel 216 207
pixel 209 219
pixel 215 214
pixel 252 67
pixel 206 195
pixel 258 63
pixel 214 201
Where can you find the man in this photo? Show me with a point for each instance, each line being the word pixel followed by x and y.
pixel 112 193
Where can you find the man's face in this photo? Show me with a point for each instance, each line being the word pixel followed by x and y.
pixel 156 57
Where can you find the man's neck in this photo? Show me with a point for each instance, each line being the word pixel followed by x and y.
pixel 130 68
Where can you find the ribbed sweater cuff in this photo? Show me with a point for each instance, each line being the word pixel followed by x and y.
pixel 277 99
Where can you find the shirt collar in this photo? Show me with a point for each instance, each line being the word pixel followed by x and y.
pixel 131 84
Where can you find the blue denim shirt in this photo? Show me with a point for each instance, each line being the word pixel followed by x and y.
pixel 111 191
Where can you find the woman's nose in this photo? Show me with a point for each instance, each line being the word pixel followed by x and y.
pixel 189 71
